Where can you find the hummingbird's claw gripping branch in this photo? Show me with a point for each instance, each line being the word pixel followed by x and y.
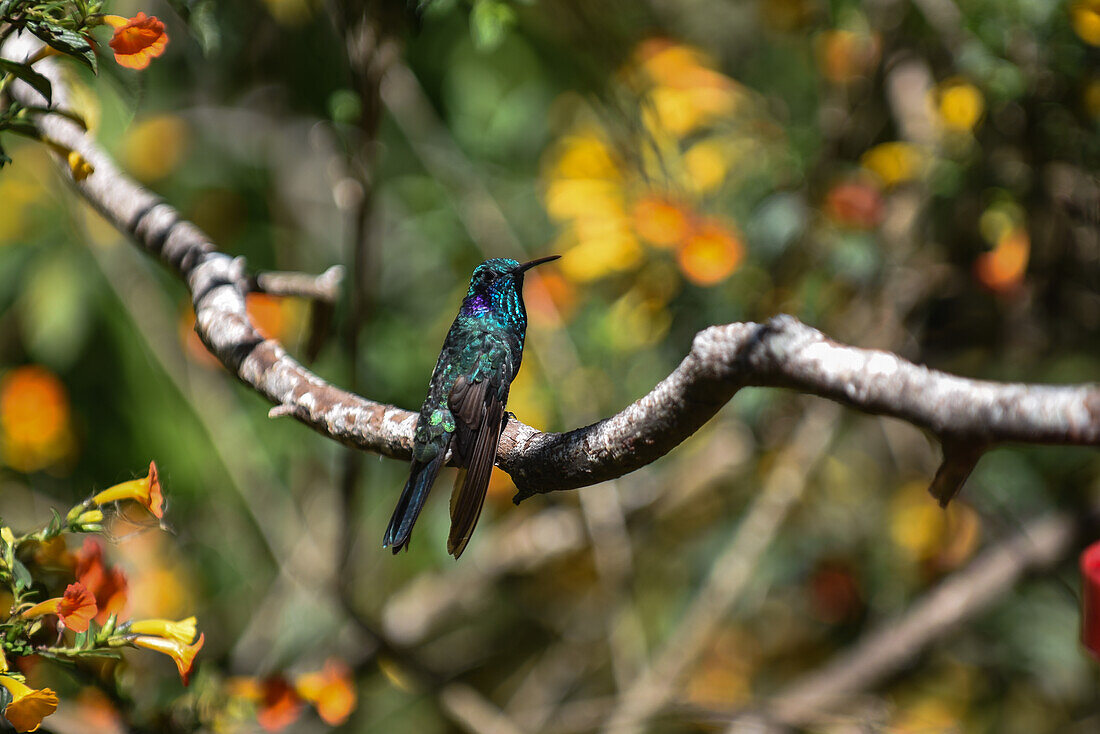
pixel 969 415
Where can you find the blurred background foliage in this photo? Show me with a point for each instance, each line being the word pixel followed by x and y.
pixel 915 176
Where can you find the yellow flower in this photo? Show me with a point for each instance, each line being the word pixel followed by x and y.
pixel 706 164
pixel 182 631
pixel 145 491
pixel 960 105
pixel 155 146
pixel 78 166
pixel 28 705
pixel 182 655
pixel 1086 21
pixel 893 163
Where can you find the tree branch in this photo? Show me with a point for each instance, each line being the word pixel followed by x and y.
pixel 781 353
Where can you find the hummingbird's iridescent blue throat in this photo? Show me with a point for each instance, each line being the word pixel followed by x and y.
pixel 464 409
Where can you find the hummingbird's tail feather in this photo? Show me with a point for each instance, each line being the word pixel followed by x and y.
pixel 420 482
pixel 469 496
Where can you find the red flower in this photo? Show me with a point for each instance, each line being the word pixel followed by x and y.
pixel 137 40
pixel 1090 599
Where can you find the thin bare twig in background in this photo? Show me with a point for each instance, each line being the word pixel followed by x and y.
pixel 729 573
pixel 895 642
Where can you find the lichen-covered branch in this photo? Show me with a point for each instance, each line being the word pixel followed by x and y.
pixel 780 353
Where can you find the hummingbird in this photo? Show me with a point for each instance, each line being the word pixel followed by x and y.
pixel 464 409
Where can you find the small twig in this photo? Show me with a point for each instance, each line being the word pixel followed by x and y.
pixel 324 288
pixel 959 460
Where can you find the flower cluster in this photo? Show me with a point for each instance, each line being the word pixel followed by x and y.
pixel 278 700
pixel 614 190
pixel 87 619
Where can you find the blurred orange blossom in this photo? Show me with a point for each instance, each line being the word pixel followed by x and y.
pixel 34 418
pixel 330 690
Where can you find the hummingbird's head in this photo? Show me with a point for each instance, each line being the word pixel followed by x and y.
pixel 494 279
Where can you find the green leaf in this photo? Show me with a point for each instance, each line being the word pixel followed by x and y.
pixel 25 72
pixel 66 41
pixel 489 23
pixel 54 528
pixel 4 159
pixel 23 578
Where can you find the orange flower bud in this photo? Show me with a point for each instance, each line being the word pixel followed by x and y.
pixel 182 631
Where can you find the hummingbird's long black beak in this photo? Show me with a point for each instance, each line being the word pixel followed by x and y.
pixel 528 265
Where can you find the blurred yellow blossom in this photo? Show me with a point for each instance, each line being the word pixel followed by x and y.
pixel 1091 98
pixel 706 164
pixel 927 716
pixel 685 92
pixel 155 146
pixel 586 155
pixel 1085 15
pixel 942 539
pixel 894 163
pixel 21 187
pixel 594 258
pixel 635 321
pixel 34 419
pixel 960 105
pixel 290 12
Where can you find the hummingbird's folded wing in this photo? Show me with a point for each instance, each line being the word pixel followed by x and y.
pixel 479 411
